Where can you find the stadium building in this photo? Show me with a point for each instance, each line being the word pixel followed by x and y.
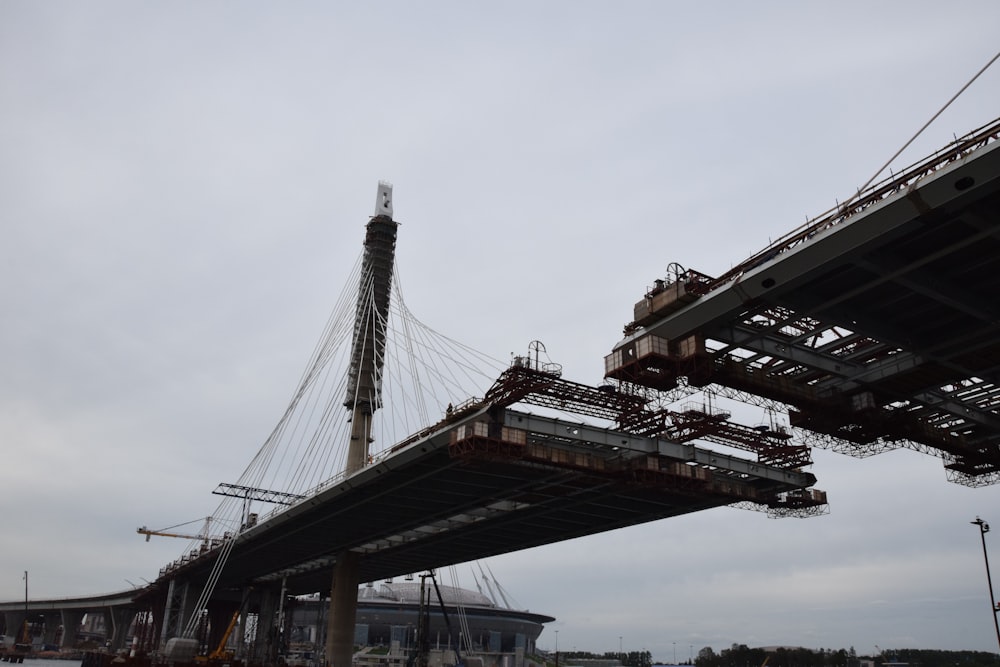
pixel 388 616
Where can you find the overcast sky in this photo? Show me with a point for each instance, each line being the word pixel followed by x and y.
pixel 183 192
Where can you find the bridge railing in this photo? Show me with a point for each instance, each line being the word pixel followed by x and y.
pixel 840 213
pixel 373 459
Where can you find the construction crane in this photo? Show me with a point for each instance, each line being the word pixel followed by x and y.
pixel 220 654
pixel 202 535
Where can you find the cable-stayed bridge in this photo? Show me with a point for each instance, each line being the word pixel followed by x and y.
pixel 874 327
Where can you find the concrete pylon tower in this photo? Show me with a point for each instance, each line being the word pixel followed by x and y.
pixel 364 397
pixel 364 381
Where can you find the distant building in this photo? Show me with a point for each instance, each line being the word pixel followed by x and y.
pixel 388 616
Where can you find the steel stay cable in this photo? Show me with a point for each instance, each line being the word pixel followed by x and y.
pixel 209 588
pixel 925 126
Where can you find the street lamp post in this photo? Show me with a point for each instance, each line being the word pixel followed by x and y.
pixel 994 606
pixel 675 653
pixel 26 628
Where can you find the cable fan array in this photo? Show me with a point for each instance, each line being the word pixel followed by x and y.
pixel 422 373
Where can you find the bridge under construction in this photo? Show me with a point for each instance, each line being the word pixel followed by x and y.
pixel 874 327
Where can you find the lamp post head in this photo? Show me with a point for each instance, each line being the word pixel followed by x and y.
pixel 983 526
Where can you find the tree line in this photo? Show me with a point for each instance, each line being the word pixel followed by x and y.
pixel 629 659
pixel 740 655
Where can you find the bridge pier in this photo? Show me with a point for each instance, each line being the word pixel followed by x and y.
pixel 71 620
pixel 220 613
pixel 153 622
pixel 14 623
pixel 343 610
pixel 116 623
pixel 110 627
pixel 267 638
pixel 146 629
pixel 50 627
pixel 178 608
pixel 169 612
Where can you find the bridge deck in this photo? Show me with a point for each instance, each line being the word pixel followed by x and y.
pixel 492 482
pixel 878 325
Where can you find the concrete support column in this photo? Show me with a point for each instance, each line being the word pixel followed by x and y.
pixel 343 610
pixel 265 646
pixel 239 642
pixel 145 631
pixel 157 612
pixel 220 614
pixel 51 623
pixel 71 620
pixel 173 610
pixel 116 624
pixel 109 627
pixel 15 624
pixel 188 611
pixel 319 641
pixel 357 450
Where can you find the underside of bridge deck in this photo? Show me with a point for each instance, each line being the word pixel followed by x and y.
pixel 494 481
pixel 876 326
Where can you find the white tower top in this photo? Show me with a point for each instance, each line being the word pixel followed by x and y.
pixel 383 202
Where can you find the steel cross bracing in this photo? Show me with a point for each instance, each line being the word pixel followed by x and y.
pixel 254 493
pixel 877 326
pixel 630 411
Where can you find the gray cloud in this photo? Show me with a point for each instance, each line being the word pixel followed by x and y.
pixel 183 191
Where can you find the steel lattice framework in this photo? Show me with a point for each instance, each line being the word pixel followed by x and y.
pixel 875 327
